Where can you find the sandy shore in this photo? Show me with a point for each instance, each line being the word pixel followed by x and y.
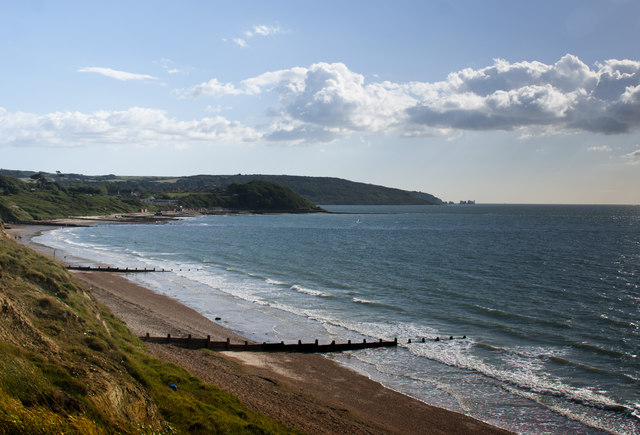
pixel 307 392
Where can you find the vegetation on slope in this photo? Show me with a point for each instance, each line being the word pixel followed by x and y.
pixel 254 195
pixel 43 199
pixel 319 190
pixel 67 365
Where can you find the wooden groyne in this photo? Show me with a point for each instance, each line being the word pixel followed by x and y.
pixel 113 269
pixel 424 340
pixel 50 223
pixel 206 343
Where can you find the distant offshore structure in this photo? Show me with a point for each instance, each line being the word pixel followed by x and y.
pixel 468 202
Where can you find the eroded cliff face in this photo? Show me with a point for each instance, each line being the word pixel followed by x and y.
pixel 61 352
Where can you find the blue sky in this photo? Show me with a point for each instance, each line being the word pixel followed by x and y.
pixel 497 101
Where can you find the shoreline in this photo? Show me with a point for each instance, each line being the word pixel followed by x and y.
pixel 307 392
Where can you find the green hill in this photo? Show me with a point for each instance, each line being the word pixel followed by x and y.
pixel 67 365
pixel 42 198
pixel 318 190
pixel 257 195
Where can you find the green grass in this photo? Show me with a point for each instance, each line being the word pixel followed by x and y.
pixel 16 418
pixel 20 201
pixel 65 359
pixel 40 205
pixel 42 199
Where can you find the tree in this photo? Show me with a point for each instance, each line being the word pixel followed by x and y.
pixel 40 179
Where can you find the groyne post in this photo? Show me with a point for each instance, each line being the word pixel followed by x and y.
pixel 196 343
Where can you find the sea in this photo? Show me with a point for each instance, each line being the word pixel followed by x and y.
pixel 526 317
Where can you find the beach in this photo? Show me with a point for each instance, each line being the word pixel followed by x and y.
pixel 307 392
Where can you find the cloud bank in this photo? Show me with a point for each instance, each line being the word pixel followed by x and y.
pixel 565 96
pixel 133 127
pixel 325 100
pixel 328 101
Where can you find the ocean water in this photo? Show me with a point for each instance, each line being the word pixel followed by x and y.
pixel 548 298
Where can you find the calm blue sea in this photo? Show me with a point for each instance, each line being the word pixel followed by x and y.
pixel 547 296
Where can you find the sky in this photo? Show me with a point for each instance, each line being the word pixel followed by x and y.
pixel 496 101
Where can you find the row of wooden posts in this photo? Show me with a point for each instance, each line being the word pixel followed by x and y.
pixel 315 347
pixel 113 269
pixel 119 269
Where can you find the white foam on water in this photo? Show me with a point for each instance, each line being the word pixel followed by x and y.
pixel 523 373
pixel 308 291
pixel 364 301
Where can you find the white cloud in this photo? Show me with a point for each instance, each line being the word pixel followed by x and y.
pixel 601 148
pixel 634 157
pixel 291 78
pixel 567 95
pixel 257 30
pixel 214 88
pixel 135 126
pixel 287 79
pixel 168 66
pixel 322 102
pixel 332 96
pixel 328 100
pixel 263 30
pixel 118 75
pixel 240 42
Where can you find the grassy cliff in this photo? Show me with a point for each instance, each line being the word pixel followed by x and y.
pixel 67 365
pixel 42 199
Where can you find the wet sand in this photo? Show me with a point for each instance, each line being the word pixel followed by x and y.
pixel 307 392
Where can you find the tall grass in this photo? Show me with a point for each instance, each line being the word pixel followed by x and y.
pixel 67 365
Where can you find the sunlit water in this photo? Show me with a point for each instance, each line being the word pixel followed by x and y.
pixel 547 296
